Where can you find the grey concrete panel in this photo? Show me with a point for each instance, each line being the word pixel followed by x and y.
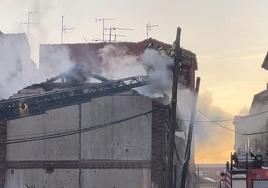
pixel 64 148
pixel 42 179
pixel 116 178
pixel 130 140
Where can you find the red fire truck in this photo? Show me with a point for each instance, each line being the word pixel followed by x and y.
pixel 245 170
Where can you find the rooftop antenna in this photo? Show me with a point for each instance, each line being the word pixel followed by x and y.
pixel 103 25
pixel 116 28
pixel 149 28
pixel 64 28
pixel 116 35
pixel 28 23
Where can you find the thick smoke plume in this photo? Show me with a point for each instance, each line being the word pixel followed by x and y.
pixel 14 58
pixel 17 69
pixel 118 64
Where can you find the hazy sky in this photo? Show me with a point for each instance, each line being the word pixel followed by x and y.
pixel 230 37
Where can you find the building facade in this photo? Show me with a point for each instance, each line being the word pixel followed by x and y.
pixel 129 154
pixel 252 123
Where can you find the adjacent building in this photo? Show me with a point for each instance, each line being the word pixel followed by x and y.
pixel 251 124
pixel 256 121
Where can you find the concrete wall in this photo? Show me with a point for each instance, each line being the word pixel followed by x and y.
pixel 40 178
pixel 127 141
pixel 115 178
pixel 130 140
pixel 63 148
pixel 251 124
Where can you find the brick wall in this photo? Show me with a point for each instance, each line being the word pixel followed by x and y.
pixel 3 134
pixel 158 146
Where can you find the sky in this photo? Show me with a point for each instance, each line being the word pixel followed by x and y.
pixel 229 36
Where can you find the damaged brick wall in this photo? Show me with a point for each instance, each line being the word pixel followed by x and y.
pixel 3 135
pixel 159 119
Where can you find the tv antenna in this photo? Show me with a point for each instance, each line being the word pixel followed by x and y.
pixel 64 28
pixel 116 28
pixel 116 36
pixel 28 23
pixel 103 25
pixel 149 27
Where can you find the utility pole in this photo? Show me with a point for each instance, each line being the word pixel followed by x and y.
pixel 28 23
pixel 172 126
pixel 103 25
pixel 187 156
pixel 116 28
pixel 64 29
pixel 198 176
pixel 149 28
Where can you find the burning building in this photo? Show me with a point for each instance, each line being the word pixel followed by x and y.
pixel 74 133
pixel 53 56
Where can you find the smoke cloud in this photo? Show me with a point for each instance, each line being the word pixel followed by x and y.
pixel 118 64
pixel 14 57
pixel 17 69
pixel 213 143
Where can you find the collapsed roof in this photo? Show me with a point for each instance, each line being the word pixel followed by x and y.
pixel 88 54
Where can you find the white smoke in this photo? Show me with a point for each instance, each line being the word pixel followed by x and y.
pixel 53 61
pixel 14 57
pixel 118 64
pixel 18 71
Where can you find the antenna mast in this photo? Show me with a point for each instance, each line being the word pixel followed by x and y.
pixel 64 28
pixel 28 23
pixel 149 28
pixel 103 25
pixel 116 28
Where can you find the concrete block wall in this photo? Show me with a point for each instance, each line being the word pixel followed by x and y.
pixel 35 178
pixel 116 178
pixel 63 148
pixel 129 140
pixel 121 153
